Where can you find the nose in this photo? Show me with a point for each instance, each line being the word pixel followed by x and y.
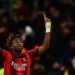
pixel 20 44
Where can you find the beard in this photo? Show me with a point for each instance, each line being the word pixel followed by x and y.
pixel 17 52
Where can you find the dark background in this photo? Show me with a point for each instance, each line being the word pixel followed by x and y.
pixel 14 16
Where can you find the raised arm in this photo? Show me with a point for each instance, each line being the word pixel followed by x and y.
pixel 46 41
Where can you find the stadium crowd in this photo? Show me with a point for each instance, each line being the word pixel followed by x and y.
pixel 59 59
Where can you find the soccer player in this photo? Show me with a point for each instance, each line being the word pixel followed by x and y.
pixel 17 60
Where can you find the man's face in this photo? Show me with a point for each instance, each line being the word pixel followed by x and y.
pixel 17 44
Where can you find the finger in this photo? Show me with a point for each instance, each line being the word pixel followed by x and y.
pixel 45 17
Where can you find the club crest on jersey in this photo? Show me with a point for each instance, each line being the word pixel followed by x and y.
pixel 19 67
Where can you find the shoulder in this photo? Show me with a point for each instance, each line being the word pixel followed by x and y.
pixel 6 53
pixel 24 51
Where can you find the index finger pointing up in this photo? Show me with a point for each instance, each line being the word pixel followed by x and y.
pixel 45 17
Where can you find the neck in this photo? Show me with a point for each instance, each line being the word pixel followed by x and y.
pixel 18 55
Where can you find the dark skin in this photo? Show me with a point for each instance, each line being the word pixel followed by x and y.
pixel 17 43
pixel 16 46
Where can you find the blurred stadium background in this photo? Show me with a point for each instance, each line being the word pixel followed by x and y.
pixel 59 59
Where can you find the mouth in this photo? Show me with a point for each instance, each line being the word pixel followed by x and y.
pixel 19 49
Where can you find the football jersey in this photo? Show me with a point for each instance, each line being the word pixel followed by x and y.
pixel 18 66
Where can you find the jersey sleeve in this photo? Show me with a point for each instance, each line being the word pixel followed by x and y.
pixel 34 51
pixel 3 53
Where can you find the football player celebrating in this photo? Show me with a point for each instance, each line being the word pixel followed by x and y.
pixel 17 60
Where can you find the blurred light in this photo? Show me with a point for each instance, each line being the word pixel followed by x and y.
pixel 2 71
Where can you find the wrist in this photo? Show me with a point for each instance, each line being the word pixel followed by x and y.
pixel 48 26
